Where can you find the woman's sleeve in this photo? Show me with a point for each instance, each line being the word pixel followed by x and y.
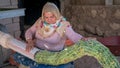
pixel 72 35
pixel 31 31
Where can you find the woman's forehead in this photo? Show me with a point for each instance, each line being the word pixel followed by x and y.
pixel 48 14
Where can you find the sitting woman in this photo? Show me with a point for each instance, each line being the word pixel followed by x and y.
pixel 49 32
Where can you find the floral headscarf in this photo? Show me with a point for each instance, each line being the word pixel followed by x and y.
pixel 51 7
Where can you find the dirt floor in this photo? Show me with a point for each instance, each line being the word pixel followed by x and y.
pixel 85 62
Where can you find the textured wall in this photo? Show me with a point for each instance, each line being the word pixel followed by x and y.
pixel 93 2
pixel 91 19
pixel 116 2
pixel 87 2
pixel 98 21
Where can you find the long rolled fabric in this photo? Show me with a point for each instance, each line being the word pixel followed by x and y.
pixel 10 42
pixel 91 48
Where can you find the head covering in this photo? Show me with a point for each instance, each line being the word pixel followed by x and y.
pixel 51 7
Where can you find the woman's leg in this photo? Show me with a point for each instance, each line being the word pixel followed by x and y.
pixel 28 62
pixel 23 60
pixel 68 65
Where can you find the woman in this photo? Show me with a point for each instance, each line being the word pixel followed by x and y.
pixel 49 32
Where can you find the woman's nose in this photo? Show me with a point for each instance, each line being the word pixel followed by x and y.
pixel 49 19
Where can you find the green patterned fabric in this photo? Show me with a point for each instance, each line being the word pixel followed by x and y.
pixel 91 48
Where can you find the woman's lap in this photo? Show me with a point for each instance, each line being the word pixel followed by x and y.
pixel 28 62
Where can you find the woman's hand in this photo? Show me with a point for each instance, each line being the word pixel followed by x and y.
pixel 30 45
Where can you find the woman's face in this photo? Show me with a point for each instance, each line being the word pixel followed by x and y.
pixel 50 17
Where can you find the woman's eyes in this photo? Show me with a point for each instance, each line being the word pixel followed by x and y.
pixel 50 17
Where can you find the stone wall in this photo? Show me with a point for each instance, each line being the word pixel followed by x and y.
pixel 116 2
pixel 12 24
pixel 87 2
pixel 93 18
pixel 93 2
pixel 99 21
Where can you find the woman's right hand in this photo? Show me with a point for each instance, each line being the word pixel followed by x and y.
pixel 30 45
